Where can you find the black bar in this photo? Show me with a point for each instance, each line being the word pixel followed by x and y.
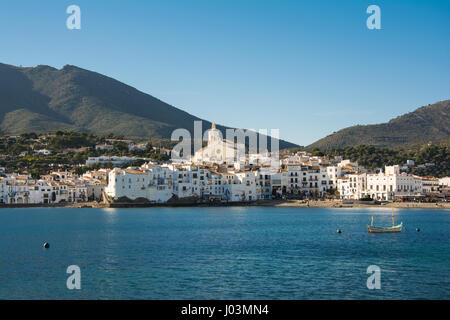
pixel 229 309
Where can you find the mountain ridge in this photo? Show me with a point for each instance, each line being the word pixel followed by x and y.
pixel 426 124
pixel 44 98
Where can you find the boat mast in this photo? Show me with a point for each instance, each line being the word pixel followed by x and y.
pixel 393 217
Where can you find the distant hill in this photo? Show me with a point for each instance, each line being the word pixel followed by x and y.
pixel 426 124
pixel 43 99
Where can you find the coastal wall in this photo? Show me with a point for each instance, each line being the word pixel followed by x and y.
pixel 263 203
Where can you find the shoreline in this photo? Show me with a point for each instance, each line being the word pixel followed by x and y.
pixel 339 204
pixel 335 204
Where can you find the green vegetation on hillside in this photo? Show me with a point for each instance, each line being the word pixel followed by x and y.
pixel 427 124
pixel 435 158
pixel 69 151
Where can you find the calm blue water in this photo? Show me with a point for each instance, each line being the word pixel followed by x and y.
pixel 221 253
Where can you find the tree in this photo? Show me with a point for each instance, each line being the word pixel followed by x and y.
pixel 148 147
pixel 35 174
pixel 317 153
pixel 80 170
pixel 120 146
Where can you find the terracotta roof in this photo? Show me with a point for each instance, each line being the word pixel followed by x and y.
pixel 132 171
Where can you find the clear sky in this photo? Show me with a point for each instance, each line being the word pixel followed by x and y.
pixel 306 67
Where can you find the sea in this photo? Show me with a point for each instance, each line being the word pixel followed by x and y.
pixel 222 253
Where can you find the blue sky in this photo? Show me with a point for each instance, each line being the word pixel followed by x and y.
pixel 306 67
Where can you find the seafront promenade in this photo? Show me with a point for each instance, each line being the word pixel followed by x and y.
pixel 265 203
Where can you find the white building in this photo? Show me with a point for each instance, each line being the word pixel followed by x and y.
pixel 3 191
pixel 153 183
pixel 217 151
pixel 243 187
pixel 114 160
pixel 445 182
pixel 308 180
pixel 334 172
pixel 430 185
pixel 264 182
pixel 392 185
pixel 352 186
pixel 108 147
pixel 45 152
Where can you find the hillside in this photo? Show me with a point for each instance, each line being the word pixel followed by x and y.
pixel 426 124
pixel 43 99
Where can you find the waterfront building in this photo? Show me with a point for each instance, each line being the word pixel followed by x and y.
pixel 294 178
pixel 430 185
pixel 214 176
pixel 308 180
pixel 334 172
pixel 153 183
pixel 278 183
pixel 243 187
pixel 444 182
pixel 3 191
pixel 264 182
pixel 393 185
pixel 94 188
pixel 352 186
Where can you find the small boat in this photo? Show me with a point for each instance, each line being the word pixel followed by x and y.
pixel 391 229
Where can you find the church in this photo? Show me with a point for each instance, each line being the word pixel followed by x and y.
pixel 218 150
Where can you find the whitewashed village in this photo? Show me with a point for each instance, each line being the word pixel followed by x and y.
pixel 210 177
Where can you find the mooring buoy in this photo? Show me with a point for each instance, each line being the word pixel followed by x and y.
pixel 46 245
pixel 339 231
pixel 418 229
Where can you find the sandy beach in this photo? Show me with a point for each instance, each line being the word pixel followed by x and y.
pixel 340 204
pixel 267 203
